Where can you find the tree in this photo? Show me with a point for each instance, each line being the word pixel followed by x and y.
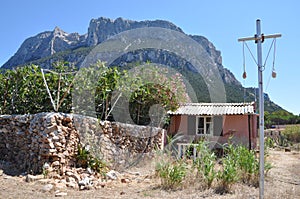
pixel 160 89
pixel 96 89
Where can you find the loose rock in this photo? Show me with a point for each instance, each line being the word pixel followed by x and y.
pixel 60 194
pixel 47 188
pixel 112 175
pixel 33 178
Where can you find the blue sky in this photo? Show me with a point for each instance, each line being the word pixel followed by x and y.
pixel 222 22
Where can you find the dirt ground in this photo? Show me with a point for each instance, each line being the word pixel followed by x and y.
pixel 282 181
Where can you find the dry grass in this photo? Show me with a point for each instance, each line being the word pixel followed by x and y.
pixel 283 181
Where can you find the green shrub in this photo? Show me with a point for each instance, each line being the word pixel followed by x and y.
pixel 292 133
pixel 85 160
pixel 205 163
pixel 171 173
pixel 248 165
pixel 82 157
pixel 239 163
pixel 97 165
pixel 270 143
pixel 228 175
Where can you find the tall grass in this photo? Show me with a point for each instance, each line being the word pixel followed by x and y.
pixel 237 164
pixel 248 165
pixel 171 174
pixel 228 175
pixel 205 163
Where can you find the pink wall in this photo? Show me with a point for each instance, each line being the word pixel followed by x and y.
pixel 236 125
pixel 179 124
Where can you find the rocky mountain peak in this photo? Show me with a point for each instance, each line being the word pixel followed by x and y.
pixel 57 32
pixel 49 43
pixel 102 28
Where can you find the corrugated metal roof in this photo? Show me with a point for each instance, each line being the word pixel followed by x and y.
pixel 214 109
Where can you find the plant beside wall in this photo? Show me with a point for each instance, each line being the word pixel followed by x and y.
pixel 86 160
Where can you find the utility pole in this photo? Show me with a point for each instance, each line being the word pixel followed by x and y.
pixel 259 39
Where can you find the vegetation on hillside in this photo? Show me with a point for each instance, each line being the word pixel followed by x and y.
pixel 280 117
pixel 22 90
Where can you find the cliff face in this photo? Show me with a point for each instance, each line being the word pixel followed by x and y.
pixel 47 47
pixel 45 44
pixel 102 28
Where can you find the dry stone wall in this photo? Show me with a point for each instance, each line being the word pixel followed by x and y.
pixel 30 141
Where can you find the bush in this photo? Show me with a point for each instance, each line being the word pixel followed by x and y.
pixel 239 163
pixel 205 163
pixel 248 165
pixel 228 175
pixel 85 160
pixel 171 173
pixel 292 133
pixel 269 142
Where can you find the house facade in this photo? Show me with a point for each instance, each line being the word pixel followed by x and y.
pixel 217 122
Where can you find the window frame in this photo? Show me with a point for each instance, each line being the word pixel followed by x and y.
pixel 204 125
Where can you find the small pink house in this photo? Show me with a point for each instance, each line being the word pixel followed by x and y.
pixel 217 122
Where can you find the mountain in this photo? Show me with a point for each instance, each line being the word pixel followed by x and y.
pixel 50 46
pixel 47 47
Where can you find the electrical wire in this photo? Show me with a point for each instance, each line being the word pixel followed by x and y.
pixel 244 59
pixel 273 64
pixel 251 54
pixel 274 54
pixel 268 53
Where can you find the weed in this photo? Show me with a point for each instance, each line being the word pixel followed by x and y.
pixel 205 163
pixel 270 143
pixel 171 173
pixel 292 133
pixel 46 168
pixel 228 175
pixel 85 160
pixel 247 164
pixel 238 163
pixel 83 156
pixel 268 167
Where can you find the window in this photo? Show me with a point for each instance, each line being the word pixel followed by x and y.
pixel 204 125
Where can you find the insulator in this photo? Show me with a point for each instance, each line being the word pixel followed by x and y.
pixel 274 74
pixel 244 75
